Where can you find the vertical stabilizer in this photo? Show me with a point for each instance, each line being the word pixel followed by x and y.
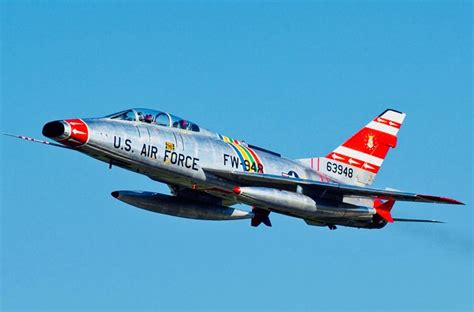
pixel 358 160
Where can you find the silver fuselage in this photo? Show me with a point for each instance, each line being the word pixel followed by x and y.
pixel 172 155
pixel 177 157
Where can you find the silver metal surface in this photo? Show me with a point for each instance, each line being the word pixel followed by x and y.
pixel 204 169
pixel 179 158
pixel 179 207
pixel 278 200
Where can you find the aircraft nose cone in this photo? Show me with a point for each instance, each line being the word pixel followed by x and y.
pixel 56 129
pixel 71 132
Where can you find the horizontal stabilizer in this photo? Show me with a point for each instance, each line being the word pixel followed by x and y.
pixel 416 220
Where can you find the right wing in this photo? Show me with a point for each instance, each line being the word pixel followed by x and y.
pixel 327 189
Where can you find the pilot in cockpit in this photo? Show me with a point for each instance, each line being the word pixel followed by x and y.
pixel 183 124
pixel 149 118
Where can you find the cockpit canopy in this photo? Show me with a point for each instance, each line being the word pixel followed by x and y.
pixel 154 117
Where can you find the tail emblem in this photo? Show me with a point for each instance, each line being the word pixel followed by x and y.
pixel 370 141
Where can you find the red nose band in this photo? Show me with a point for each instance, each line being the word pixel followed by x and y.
pixel 79 134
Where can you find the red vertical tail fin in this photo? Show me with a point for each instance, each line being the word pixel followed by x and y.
pixel 358 159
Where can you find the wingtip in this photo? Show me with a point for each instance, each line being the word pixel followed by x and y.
pixel 440 199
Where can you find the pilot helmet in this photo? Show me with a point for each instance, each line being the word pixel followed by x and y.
pixel 184 124
pixel 149 118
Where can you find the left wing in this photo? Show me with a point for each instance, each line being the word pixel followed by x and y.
pixel 326 188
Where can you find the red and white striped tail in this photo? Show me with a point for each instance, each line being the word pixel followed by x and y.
pixel 368 147
pixel 358 160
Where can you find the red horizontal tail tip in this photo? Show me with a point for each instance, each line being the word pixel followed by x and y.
pixel 236 190
pixel 440 199
pixel 385 215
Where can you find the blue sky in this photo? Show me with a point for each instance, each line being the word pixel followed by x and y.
pixel 296 78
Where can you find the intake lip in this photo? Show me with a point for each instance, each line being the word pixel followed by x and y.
pixel 70 132
pixel 55 129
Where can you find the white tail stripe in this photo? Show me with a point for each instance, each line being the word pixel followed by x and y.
pixel 382 127
pixel 394 116
pixel 359 155
pixel 388 122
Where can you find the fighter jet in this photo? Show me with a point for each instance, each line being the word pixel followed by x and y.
pixel 208 173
